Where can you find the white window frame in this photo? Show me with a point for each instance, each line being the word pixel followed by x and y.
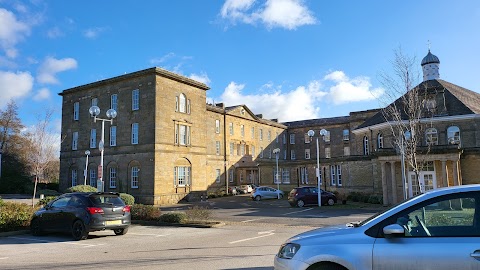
pixel 379 141
pixel 113 135
pixel 285 154
pixel 135 100
pixel 307 138
pixel 182 176
pixel 230 128
pixel 230 175
pixel 261 152
pixel 366 149
pixel 307 154
pixel 346 135
pixel 134 138
pixel 232 148
pixel 292 155
pixel 242 131
pixel 328 152
pixel 217 147
pixel 252 132
pixel 182 103
pixel 93 177
pixel 292 138
pixel 285 176
pixel 93 138
pixel 339 175
pixel 217 126
pixel 74 177
pixel 284 138
pixel 253 150
pixel 333 178
pixel 453 135
pixel 134 177
pixel 112 173
pixel 269 136
pixel 76 111
pixel 217 175
pixel 326 138
pixel 94 102
pixel 114 102
pixel 75 140
pixel 261 134
pixel 188 106
pixel 431 136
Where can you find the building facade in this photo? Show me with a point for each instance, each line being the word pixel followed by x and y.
pixel 167 144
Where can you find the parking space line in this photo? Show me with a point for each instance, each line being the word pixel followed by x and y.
pixel 253 238
pixel 149 234
pixel 250 220
pixel 47 241
pixel 3 258
pixel 289 213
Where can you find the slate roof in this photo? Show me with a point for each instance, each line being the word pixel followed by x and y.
pixel 458 100
pixel 318 122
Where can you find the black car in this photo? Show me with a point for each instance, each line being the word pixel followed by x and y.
pixel 301 196
pixel 82 212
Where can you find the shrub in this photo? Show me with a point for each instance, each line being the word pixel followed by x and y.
pixel 173 217
pixel 127 198
pixel 2 203
pixel 48 192
pixel 81 188
pixel 198 213
pixel 145 212
pixel 15 215
pixel 46 200
pixel 375 199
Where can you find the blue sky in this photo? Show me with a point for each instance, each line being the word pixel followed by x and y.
pixel 285 59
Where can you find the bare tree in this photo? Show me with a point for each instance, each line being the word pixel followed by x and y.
pixel 10 126
pixel 43 148
pixel 408 115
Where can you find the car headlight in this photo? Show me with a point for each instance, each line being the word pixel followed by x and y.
pixel 288 250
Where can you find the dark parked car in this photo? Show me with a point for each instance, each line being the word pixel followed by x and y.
pixel 301 196
pixel 82 212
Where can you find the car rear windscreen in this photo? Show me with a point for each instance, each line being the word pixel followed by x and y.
pixel 106 199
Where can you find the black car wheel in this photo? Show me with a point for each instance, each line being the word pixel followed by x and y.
pixel 120 231
pixel 35 227
pixel 330 201
pixel 300 203
pixel 79 232
pixel 258 198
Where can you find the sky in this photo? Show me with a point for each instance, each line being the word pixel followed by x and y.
pixel 286 59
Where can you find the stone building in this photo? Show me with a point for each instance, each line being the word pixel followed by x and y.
pixel 166 144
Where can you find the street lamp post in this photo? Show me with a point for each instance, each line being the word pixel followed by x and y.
pixel 111 114
pixel 87 152
pixel 310 134
pixel 276 151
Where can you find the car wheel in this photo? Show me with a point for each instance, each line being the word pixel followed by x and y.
pixel 330 202
pixel 120 231
pixel 79 232
pixel 300 203
pixel 326 266
pixel 280 196
pixel 35 227
pixel 258 198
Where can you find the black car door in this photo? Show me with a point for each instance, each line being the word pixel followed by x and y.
pixel 53 218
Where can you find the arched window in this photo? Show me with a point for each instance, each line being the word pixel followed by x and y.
pixel 453 135
pixel 182 173
pixel 182 103
pixel 408 135
pixel 379 141
pixel 431 136
pixel 365 146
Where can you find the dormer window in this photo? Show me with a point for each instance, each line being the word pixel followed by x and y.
pixel 453 135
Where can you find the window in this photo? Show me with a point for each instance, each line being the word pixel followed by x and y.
pixel 134 177
pixel 135 133
pixel 379 141
pixel 182 134
pixel 285 176
pixel 326 138
pixel 231 128
pixel 276 176
pixel 188 106
pixel 76 111
pixel 75 140
pixel 93 138
pixel 284 138
pixel 252 132
pixel 307 138
pixel 217 126
pixel 232 148
pixel 135 100
pixel 339 175
pixel 176 103
pixel 292 154
pixel 431 136
pixel 93 177
pixel 242 130
pixel 327 152
pixel 74 177
pixel 217 175
pixel 181 176
pixel 304 175
pixel 346 150
pixel 261 152
pixel 333 178
pixel 253 150
pixel 182 105
pixel 276 137
pixel 269 136
pixel 242 149
pixel 241 177
pixel 408 135
pixel 113 102
pixel 292 138
pixel 113 177
pixel 307 153
pixel 261 134
pixel 230 175
pixel 365 146
pixel 94 102
pixel 453 135
pixel 346 135
pixel 269 153
pixel 217 147
pixel 113 135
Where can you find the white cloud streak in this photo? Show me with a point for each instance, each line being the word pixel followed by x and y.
pixel 42 94
pixel 203 78
pixel 12 31
pixel 288 14
pixel 51 66
pixel 346 90
pixel 94 32
pixel 14 86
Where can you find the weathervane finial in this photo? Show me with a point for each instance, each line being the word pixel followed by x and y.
pixel 429 44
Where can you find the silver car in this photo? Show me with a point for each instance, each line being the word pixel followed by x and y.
pixel 261 193
pixel 437 230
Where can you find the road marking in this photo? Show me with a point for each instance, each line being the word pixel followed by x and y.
pixel 148 234
pixel 249 220
pixel 252 238
pixel 297 211
pixel 68 243
pixel 266 232
pixel 3 258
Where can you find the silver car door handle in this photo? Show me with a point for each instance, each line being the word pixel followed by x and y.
pixel 475 254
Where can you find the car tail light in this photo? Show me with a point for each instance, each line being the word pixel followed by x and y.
pixel 95 210
pixel 126 208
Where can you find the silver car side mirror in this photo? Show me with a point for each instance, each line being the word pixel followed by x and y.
pixel 393 229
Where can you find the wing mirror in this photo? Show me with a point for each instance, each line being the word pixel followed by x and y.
pixel 393 229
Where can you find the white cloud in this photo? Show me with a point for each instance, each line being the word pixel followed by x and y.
pixel 94 32
pixel 288 14
pixel 14 85
pixel 346 90
pixel 54 32
pixel 12 31
pixel 162 59
pixel 42 94
pixel 203 78
pixel 51 66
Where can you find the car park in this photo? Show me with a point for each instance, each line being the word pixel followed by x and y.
pixel 308 195
pixel 264 192
pixel 439 229
pixel 82 212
